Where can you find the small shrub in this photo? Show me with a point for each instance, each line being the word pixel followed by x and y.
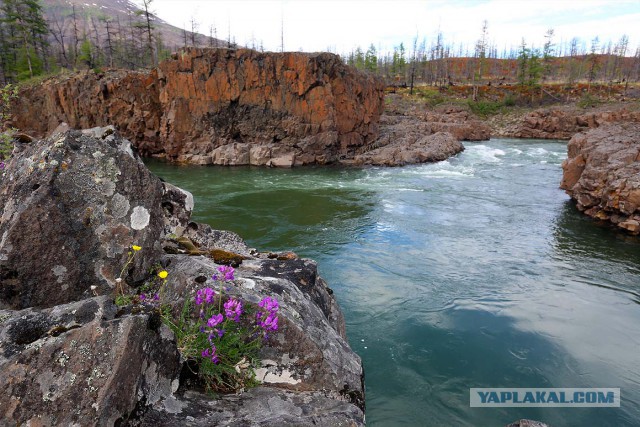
pixel 587 100
pixel 485 108
pixel 509 101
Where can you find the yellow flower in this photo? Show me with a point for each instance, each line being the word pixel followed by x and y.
pixel 136 248
pixel 163 274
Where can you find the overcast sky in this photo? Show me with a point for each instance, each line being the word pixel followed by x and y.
pixel 341 25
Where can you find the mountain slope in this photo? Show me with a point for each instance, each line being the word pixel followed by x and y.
pixel 102 21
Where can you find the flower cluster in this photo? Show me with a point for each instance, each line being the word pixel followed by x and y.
pixel 233 309
pixel 226 273
pixel 205 296
pixel 267 319
pixel 223 335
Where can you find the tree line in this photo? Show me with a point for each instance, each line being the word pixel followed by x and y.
pixel 442 64
pixel 31 45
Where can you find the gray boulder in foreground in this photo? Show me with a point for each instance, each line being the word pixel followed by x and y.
pixel 70 209
pixel 69 357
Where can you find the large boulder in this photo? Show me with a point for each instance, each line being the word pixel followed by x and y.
pixel 406 140
pixel 69 356
pixel 82 364
pixel 71 207
pixel 602 174
pixel 220 106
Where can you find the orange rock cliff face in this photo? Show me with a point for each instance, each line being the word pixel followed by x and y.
pixel 220 106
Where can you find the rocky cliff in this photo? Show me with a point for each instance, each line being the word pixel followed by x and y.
pixel 602 174
pixel 70 209
pixel 220 106
pixel 559 123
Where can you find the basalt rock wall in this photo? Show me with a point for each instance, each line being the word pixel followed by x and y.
pixel 563 123
pixel 602 174
pixel 220 106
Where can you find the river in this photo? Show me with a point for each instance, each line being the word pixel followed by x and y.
pixel 473 272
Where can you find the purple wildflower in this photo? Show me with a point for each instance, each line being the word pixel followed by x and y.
pixel 210 353
pixel 156 297
pixel 142 297
pixel 269 304
pixel 270 323
pixel 215 320
pixel 1 165
pixel 227 272
pixel 233 309
pixel 204 295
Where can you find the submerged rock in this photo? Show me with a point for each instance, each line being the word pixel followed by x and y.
pixel 602 174
pixel 527 423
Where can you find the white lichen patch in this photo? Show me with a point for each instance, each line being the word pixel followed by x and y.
pixel 84 350
pixel 284 377
pixel 96 374
pixel 60 271
pixel 267 375
pixel 119 206
pixel 109 188
pixel 247 283
pixel 126 148
pixel 98 155
pixel 188 201
pixel 63 359
pixel 140 218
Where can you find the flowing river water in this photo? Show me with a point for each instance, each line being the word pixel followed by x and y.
pixel 473 272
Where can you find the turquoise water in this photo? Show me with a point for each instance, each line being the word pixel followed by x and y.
pixel 473 272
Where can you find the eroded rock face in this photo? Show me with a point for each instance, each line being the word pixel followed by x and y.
pixel 602 174
pixel 563 123
pixel 71 207
pixel 80 364
pixel 221 106
pixel 406 140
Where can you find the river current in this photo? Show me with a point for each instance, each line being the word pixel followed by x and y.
pixel 473 272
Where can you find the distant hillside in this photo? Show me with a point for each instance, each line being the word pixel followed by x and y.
pixel 115 29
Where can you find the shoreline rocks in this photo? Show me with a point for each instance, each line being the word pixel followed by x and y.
pixel 602 174
pixel 74 357
pixel 560 122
